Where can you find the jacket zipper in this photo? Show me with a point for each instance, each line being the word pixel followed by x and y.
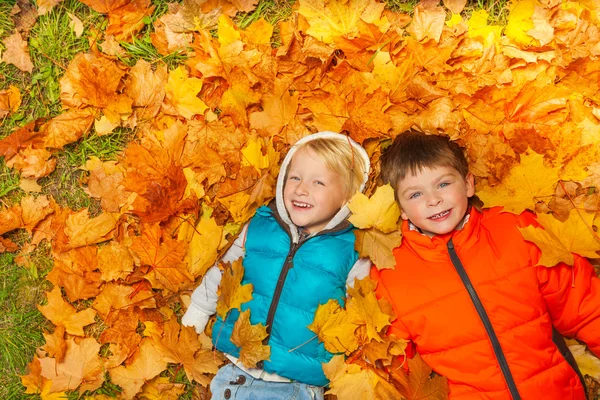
pixel 287 265
pixel 512 387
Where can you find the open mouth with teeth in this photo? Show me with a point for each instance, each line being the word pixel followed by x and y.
pixel 299 204
pixel 440 215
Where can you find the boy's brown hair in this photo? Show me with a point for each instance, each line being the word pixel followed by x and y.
pixel 412 151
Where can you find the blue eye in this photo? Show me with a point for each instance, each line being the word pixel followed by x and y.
pixel 293 178
pixel 319 183
pixel 444 184
pixel 414 195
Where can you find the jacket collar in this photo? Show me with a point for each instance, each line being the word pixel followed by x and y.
pixel 435 248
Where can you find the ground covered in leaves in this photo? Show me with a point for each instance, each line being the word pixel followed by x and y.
pixel 139 136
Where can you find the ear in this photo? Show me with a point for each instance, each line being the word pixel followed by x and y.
pixel 404 216
pixel 470 184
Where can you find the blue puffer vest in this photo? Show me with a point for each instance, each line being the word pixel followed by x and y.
pixel 320 267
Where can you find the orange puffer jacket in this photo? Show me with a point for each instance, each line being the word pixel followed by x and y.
pixel 488 329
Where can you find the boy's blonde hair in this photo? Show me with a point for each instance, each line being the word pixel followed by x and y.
pixel 340 156
pixel 412 151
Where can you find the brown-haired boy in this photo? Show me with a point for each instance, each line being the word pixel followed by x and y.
pixel 466 288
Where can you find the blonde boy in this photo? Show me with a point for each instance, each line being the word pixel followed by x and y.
pixel 298 253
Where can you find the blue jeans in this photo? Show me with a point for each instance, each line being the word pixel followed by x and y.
pixel 233 383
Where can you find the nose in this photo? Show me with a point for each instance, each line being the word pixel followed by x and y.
pixel 301 189
pixel 434 199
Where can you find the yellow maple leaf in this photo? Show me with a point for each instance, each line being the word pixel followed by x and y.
pixel 363 308
pixel 478 27
pixel 182 93
pixel 329 19
pixel 380 211
pixel 520 22
pixel 558 240
pixel 526 182
pixel 353 382
pixel 259 32
pixel 231 292
pixel 204 240
pixel 254 155
pixel 227 31
pixel 83 230
pixel 588 363
pixel 249 338
pixel 334 329
pixel 378 246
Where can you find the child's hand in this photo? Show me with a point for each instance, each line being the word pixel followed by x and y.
pixel 196 318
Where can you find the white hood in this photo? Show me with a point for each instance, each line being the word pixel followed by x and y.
pixel 344 211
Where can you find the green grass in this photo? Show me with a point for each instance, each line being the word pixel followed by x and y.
pixel 21 324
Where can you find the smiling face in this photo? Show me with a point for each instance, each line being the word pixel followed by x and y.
pixel 313 193
pixel 435 199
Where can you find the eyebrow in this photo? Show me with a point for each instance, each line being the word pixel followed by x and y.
pixel 408 189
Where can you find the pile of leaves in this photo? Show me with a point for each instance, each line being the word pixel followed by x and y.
pixel 523 99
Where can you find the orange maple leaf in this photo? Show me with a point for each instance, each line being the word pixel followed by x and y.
pixel 164 256
pixel 231 291
pixel 62 313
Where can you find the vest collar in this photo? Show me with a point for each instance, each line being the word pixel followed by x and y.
pixel 435 248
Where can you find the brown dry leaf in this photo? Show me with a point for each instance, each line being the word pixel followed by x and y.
pixel 455 6
pixel 59 312
pixel 68 127
pixel 125 22
pixel 33 163
pixel 118 297
pixel 11 219
pixel 367 119
pixel 45 6
pixel 122 331
pixel 106 183
pixel 249 338
pixel 146 364
pixel 334 329
pixel 105 6
pixel 418 383
pixel 232 294
pixel 180 345
pixel 24 15
pixel 81 367
pixel 164 256
pixel 56 346
pixel 34 210
pixel 114 261
pixel 90 80
pixel 146 88
pixel 17 53
pixel 427 23
pixel 83 230
pixel 21 138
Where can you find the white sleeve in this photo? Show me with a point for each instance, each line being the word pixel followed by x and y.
pixel 360 269
pixel 204 298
